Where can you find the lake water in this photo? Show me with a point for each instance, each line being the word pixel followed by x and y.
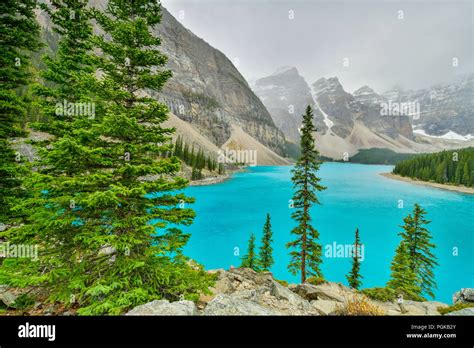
pixel 356 197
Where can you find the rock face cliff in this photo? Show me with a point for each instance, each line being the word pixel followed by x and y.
pixel 208 91
pixel 444 108
pixel 285 94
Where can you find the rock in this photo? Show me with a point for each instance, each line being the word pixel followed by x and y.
pixel 464 311
pixel 224 304
pixel 331 291
pixel 306 291
pixel 464 296
pixel 7 296
pixel 286 301
pixel 325 307
pixel 164 307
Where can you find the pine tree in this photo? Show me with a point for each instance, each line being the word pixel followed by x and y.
pixel 402 277
pixel 354 277
pixel 19 36
pixel 266 250
pixel 417 244
pixel 307 254
pixel 103 242
pixel 465 175
pixel 250 259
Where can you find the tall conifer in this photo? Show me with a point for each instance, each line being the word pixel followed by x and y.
pixel 306 255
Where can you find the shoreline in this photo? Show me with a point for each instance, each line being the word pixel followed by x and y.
pixel 212 180
pixel 459 189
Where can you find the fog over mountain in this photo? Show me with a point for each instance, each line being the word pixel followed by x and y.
pixel 384 47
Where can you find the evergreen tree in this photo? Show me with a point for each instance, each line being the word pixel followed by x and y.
pixel 266 250
pixel 354 277
pixel 19 36
pixel 250 259
pixel 402 277
pixel 306 256
pixel 103 243
pixel 419 246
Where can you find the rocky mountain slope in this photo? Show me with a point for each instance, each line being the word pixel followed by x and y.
pixel 444 108
pixel 242 291
pixel 208 92
pixel 348 122
pixel 285 94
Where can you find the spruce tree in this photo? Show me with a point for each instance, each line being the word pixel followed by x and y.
pixel 306 255
pixel 402 277
pixel 354 277
pixel 419 248
pixel 266 250
pixel 19 37
pixel 250 259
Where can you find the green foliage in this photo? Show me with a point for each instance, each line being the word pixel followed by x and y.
pixel 381 294
pixel 197 161
pixel 306 253
pixel 379 156
pixel 455 307
pixel 354 277
pixel 19 36
pixel 103 244
pixel 23 302
pixel 454 167
pixel 265 258
pixel 414 262
pixel 314 280
pixel 249 260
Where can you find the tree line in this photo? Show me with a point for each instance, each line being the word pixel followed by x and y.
pixel 455 167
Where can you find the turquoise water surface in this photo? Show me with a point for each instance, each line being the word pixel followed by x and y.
pixel 356 197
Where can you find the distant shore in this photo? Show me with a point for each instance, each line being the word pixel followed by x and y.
pixel 462 189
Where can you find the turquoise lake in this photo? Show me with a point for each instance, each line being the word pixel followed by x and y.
pixel 357 196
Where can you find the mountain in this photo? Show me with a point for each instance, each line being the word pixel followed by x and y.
pixel 209 94
pixel 208 91
pixel 445 109
pixel 285 94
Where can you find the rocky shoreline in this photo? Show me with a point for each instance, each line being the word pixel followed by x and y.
pixel 242 291
pixel 461 189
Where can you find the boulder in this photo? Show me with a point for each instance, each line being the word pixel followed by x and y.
pixel 306 291
pixel 164 307
pixel 7 296
pixel 330 291
pixel 465 295
pixel 325 307
pixel 224 304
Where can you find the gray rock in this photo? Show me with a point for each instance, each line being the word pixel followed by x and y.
pixel 224 304
pixel 306 291
pixel 7 296
pixel 164 307
pixel 464 296
pixel 325 307
pixel 464 311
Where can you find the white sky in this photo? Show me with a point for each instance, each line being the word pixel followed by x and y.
pixel 383 51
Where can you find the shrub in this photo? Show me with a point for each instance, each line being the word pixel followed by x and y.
pixel 390 295
pixel 453 308
pixel 359 305
pixel 315 280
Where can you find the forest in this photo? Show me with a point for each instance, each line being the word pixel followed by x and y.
pixel 454 167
